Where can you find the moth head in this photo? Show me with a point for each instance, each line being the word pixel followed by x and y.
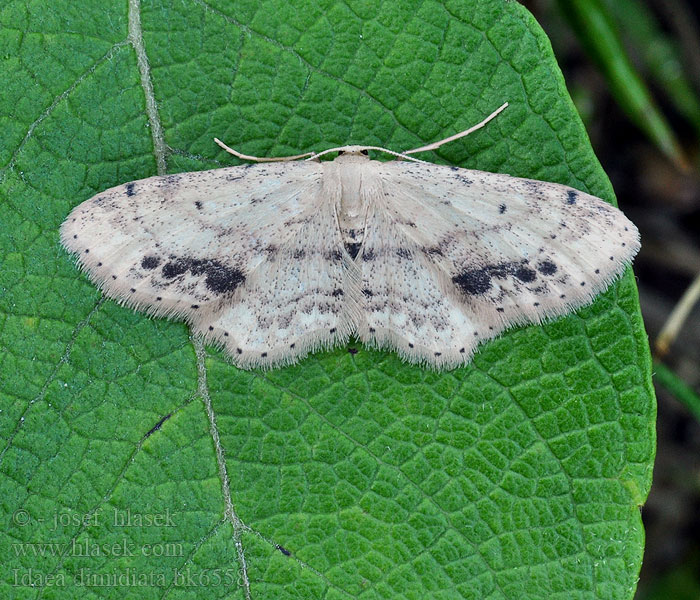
pixel 353 152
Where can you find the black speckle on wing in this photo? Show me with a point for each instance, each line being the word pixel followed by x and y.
pixel 473 282
pixel 150 262
pixel 220 278
pixel 547 267
pixel 476 282
pixel 353 249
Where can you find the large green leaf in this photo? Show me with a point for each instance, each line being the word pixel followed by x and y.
pixel 350 474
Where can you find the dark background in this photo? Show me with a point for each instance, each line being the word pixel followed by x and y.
pixel 663 200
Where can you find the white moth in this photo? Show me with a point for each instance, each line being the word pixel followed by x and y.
pixel 273 261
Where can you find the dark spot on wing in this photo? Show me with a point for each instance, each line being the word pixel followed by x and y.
pixel 525 274
pixel 547 267
pixel 337 292
pixel 219 277
pixel 129 187
pixel 299 253
pixel 403 253
pixel 369 255
pixel 332 330
pixel 198 204
pixel 571 196
pixel 175 268
pixel 501 209
pixel 263 354
pixel 367 292
pixel 353 249
pixel 473 282
pixel 150 262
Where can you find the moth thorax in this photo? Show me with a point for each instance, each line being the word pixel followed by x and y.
pixel 351 196
pixel 351 209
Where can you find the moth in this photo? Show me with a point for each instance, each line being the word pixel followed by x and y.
pixel 274 260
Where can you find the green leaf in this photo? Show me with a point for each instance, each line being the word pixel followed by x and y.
pixel 348 475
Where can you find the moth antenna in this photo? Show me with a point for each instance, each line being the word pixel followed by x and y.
pixel 452 138
pixel 400 155
pixel 259 158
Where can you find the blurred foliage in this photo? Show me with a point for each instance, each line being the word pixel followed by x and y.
pixel 662 55
pixel 681 583
pixel 634 53
pixel 601 32
pixel 680 390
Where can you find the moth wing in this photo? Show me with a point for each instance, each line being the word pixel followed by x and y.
pixel 299 300
pixel 501 250
pixel 183 245
pixel 404 298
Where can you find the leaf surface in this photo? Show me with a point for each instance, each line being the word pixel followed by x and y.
pixel 350 474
